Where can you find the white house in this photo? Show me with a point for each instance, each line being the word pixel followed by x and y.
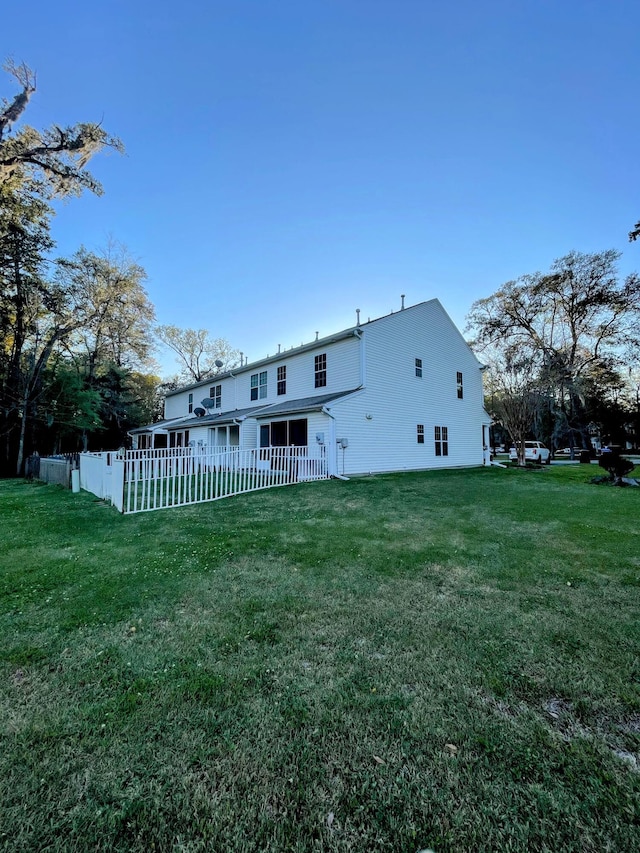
pixel 402 392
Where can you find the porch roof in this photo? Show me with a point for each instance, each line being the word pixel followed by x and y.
pixel 158 426
pixel 220 418
pixel 289 407
pixel 306 404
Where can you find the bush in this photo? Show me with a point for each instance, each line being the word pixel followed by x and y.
pixel 617 466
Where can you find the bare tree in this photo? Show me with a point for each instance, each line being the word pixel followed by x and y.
pixel 516 397
pixel 575 318
pixel 198 352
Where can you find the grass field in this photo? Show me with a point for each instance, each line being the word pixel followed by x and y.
pixel 448 660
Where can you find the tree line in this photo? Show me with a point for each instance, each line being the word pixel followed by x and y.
pixel 77 335
pixel 562 353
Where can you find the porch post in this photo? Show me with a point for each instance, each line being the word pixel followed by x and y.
pixel 332 451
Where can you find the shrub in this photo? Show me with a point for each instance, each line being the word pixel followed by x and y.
pixel 617 466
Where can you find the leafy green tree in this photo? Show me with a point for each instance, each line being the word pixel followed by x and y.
pixel 24 241
pixel 38 314
pixel 66 409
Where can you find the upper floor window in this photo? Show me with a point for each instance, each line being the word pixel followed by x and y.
pixel 282 379
pixel 420 433
pixel 419 368
pixel 190 403
pixel 259 385
pixel 441 436
pixel 215 393
pixel 459 385
pixel 321 370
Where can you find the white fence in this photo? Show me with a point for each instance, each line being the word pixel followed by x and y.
pixel 95 473
pixel 142 480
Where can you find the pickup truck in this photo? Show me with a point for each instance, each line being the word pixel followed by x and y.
pixel 534 451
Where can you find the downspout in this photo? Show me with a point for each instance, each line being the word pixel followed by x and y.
pixel 363 359
pixel 235 389
pixel 333 466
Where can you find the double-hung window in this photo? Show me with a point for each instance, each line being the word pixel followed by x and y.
pixel 190 403
pixel 419 368
pixel 215 393
pixel 420 433
pixel 459 385
pixel 259 385
pixel 441 436
pixel 321 370
pixel 282 380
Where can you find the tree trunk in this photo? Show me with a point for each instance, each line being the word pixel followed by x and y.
pixel 23 432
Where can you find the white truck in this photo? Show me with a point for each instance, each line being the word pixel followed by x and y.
pixel 534 451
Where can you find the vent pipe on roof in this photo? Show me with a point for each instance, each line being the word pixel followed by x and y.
pixel 241 354
pixel 357 316
pixel 402 297
pixel 317 333
pixel 278 349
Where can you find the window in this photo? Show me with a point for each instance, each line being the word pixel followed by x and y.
pixel 284 433
pixel 282 379
pixel 279 434
pixel 180 438
pixel 215 393
pixel 259 385
pixel 459 384
pixel 441 436
pixel 190 403
pixel 321 370
pixel 419 368
pixel 420 433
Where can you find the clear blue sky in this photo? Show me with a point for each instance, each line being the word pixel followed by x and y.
pixel 289 161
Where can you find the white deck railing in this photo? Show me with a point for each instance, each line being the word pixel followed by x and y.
pixel 143 480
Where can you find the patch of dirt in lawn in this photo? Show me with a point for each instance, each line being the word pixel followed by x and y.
pixel 617 733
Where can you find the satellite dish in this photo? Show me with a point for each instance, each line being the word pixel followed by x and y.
pixel 218 363
pixel 199 411
pixel 208 403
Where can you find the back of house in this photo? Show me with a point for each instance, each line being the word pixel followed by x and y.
pixel 400 392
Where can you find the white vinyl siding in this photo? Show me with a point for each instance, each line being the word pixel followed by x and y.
pixel 379 420
pixel 343 374
pixel 380 423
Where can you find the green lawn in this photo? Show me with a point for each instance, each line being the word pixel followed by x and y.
pixel 448 660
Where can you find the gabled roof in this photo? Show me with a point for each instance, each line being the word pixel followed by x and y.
pixel 353 331
pixel 256 365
